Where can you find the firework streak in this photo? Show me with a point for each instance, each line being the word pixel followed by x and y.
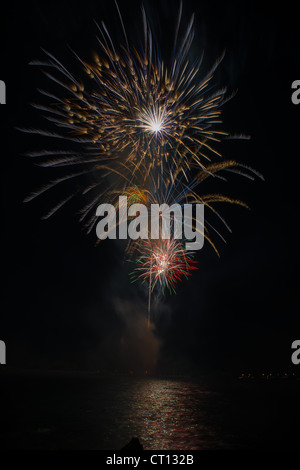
pixel 139 127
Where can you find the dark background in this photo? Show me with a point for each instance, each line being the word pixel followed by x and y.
pixel 66 304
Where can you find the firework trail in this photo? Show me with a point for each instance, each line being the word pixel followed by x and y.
pixel 142 128
pixel 162 262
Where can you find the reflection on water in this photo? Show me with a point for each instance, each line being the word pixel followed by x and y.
pixel 164 414
pixel 90 412
pixel 169 415
pixel 87 411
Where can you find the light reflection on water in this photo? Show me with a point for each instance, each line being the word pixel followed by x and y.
pixel 167 414
pixel 70 411
pixel 89 411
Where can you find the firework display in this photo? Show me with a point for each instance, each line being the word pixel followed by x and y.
pixel 140 127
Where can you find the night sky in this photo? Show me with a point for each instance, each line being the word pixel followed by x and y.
pixel 68 304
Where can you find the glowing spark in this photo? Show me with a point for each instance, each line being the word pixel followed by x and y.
pixel 156 126
pixel 162 263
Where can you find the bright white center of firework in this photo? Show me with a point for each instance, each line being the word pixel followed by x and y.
pixel 154 119
pixel 155 126
pixel 162 264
